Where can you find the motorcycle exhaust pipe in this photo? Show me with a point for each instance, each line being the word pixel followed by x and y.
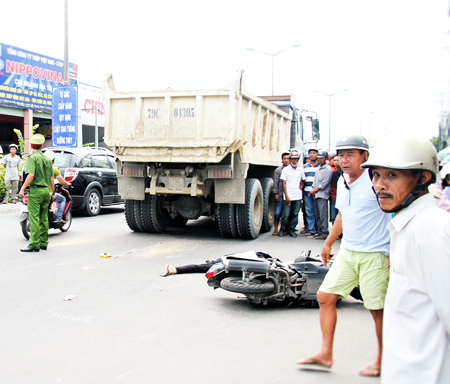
pixel 262 266
pixel 287 277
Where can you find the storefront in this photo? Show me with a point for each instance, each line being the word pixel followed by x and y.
pixel 27 82
pixel 92 111
pixel 14 118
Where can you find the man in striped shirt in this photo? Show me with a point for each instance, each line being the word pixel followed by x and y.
pixel 310 173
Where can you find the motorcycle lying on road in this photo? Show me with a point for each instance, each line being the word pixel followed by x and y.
pixel 266 280
pixel 66 216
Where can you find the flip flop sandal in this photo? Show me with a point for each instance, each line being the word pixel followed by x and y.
pixel 370 367
pixel 315 364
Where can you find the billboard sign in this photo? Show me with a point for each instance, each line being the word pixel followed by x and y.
pixel 91 100
pixel 65 117
pixel 27 79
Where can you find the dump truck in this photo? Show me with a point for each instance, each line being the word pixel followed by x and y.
pixel 181 155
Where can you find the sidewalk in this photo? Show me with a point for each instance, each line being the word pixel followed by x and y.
pixel 10 207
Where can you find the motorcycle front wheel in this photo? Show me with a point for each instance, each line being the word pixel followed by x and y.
pixel 236 284
pixel 25 224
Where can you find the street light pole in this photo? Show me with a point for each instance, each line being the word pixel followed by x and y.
pixel 272 79
pixel 329 122
pixel 272 56
pixel 329 113
pixel 66 43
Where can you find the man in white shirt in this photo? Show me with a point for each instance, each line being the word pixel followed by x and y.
pixel 11 163
pixel 416 332
pixel 293 178
pixel 363 253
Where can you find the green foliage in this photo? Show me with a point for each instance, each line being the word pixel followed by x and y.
pixel 22 148
pixel 435 141
pixel 33 129
pixel 21 141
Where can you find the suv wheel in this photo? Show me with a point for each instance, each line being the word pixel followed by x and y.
pixel 93 202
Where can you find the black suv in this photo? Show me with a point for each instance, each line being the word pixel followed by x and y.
pixel 92 173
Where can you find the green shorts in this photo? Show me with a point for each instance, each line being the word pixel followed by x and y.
pixel 369 269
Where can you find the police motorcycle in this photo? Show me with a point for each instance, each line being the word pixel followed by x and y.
pixel 266 280
pixel 53 206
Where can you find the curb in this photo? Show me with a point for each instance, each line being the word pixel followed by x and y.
pixel 10 207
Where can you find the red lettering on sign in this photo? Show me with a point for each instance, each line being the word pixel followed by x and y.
pixel 20 68
pixel 91 105
pixel 10 66
pixel 35 72
pixel 43 72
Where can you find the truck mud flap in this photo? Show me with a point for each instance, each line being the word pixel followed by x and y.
pixel 131 188
pixel 229 191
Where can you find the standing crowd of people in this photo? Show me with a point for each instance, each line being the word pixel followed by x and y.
pixel 311 186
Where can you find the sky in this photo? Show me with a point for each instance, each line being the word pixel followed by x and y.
pixel 393 57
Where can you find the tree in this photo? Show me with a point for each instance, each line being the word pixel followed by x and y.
pixel 435 141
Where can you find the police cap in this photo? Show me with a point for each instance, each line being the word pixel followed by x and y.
pixel 37 139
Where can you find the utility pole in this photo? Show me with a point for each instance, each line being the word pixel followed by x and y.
pixel 66 43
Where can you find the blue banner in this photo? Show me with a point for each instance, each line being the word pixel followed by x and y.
pixel 27 79
pixel 65 117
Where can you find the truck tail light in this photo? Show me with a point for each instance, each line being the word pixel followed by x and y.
pixel 133 170
pixel 70 174
pixel 219 172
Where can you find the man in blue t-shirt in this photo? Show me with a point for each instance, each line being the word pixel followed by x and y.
pixel 363 255
pixel 310 173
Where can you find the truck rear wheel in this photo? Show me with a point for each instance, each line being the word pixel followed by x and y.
pixel 155 218
pixel 249 216
pixel 268 204
pixel 132 215
pixel 226 216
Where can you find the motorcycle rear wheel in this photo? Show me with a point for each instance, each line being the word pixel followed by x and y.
pixel 68 220
pixel 236 284
pixel 25 228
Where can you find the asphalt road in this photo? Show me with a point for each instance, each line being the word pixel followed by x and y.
pixel 129 325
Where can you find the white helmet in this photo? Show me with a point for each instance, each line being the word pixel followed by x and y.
pixel 413 152
pixel 50 154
